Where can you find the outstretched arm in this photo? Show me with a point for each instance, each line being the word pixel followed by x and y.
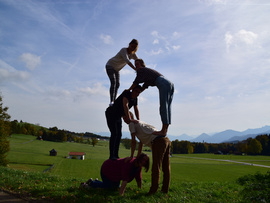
pixel 131 65
pixel 136 110
pixel 139 184
pixel 140 149
pixel 123 188
pixel 132 86
pixel 133 144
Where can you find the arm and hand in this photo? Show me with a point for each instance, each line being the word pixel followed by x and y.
pixel 126 110
pixel 139 184
pixel 131 65
pixel 140 149
pixel 123 188
pixel 136 110
pixel 132 86
pixel 133 144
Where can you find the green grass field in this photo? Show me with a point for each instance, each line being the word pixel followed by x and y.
pixel 193 176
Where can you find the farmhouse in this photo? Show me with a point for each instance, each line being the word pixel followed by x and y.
pixel 53 152
pixel 78 155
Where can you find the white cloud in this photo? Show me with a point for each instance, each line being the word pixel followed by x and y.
pixel 156 41
pixel 240 38
pixel 31 61
pixel 157 52
pixel 107 39
pixel 165 42
pixel 96 89
pixel 154 33
pixel 176 35
pixel 127 71
pixel 8 73
pixel 176 47
pixel 211 2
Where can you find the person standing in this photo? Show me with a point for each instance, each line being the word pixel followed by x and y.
pixel 151 77
pixel 116 63
pixel 160 147
pixel 114 114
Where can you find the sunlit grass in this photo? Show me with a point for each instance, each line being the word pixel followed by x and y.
pixel 194 177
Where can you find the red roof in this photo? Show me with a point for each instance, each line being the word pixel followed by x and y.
pixel 76 153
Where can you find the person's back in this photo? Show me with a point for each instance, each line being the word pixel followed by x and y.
pixel 120 169
pixel 143 132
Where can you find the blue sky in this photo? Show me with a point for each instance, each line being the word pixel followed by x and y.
pixel 216 52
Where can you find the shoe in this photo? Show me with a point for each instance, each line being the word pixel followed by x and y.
pixel 84 186
pixel 89 181
pixel 96 179
pixel 113 158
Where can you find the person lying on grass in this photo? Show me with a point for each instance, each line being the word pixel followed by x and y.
pixel 114 171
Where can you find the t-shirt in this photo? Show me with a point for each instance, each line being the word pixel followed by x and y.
pixel 117 107
pixel 143 132
pixel 146 75
pixel 117 170
pixel 121 59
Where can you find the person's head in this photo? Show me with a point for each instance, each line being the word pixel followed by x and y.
pixel 143 161
pixel 133 46
pixel 136 91
pixel 139 63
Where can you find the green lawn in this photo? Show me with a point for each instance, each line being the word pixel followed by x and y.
pixel 194 177
pixel 33 155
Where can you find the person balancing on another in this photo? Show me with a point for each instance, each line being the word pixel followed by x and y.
pixel 116 63
pixel 151 77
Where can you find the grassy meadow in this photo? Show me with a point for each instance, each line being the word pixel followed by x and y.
pixel 194 177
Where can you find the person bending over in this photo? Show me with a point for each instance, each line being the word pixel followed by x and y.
pixel 160 147
pixel 151 77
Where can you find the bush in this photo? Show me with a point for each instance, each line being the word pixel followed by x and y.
pixel 256 187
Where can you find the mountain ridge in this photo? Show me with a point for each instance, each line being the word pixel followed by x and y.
pixel 219 137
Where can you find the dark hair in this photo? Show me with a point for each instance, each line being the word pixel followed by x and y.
pixel 141 157
pixel 141 62
pixel 138 87
pixel 136 42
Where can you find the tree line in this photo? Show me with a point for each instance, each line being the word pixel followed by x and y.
pixel 51 134
pixel 260 145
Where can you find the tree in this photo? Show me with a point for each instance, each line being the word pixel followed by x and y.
pixel 4 133
pixel 200 147
pixel 182 147
pixel 265 141
pixel 126 142
pixel 254 147
pixel 94 141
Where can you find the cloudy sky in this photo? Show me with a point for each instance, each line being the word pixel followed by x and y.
pixel 216 52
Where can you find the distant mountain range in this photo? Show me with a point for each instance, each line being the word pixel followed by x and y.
pixel 224 136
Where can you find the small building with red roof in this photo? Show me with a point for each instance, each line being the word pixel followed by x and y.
pixel 78 155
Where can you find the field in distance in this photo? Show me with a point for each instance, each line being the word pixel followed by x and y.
pixel 29 154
